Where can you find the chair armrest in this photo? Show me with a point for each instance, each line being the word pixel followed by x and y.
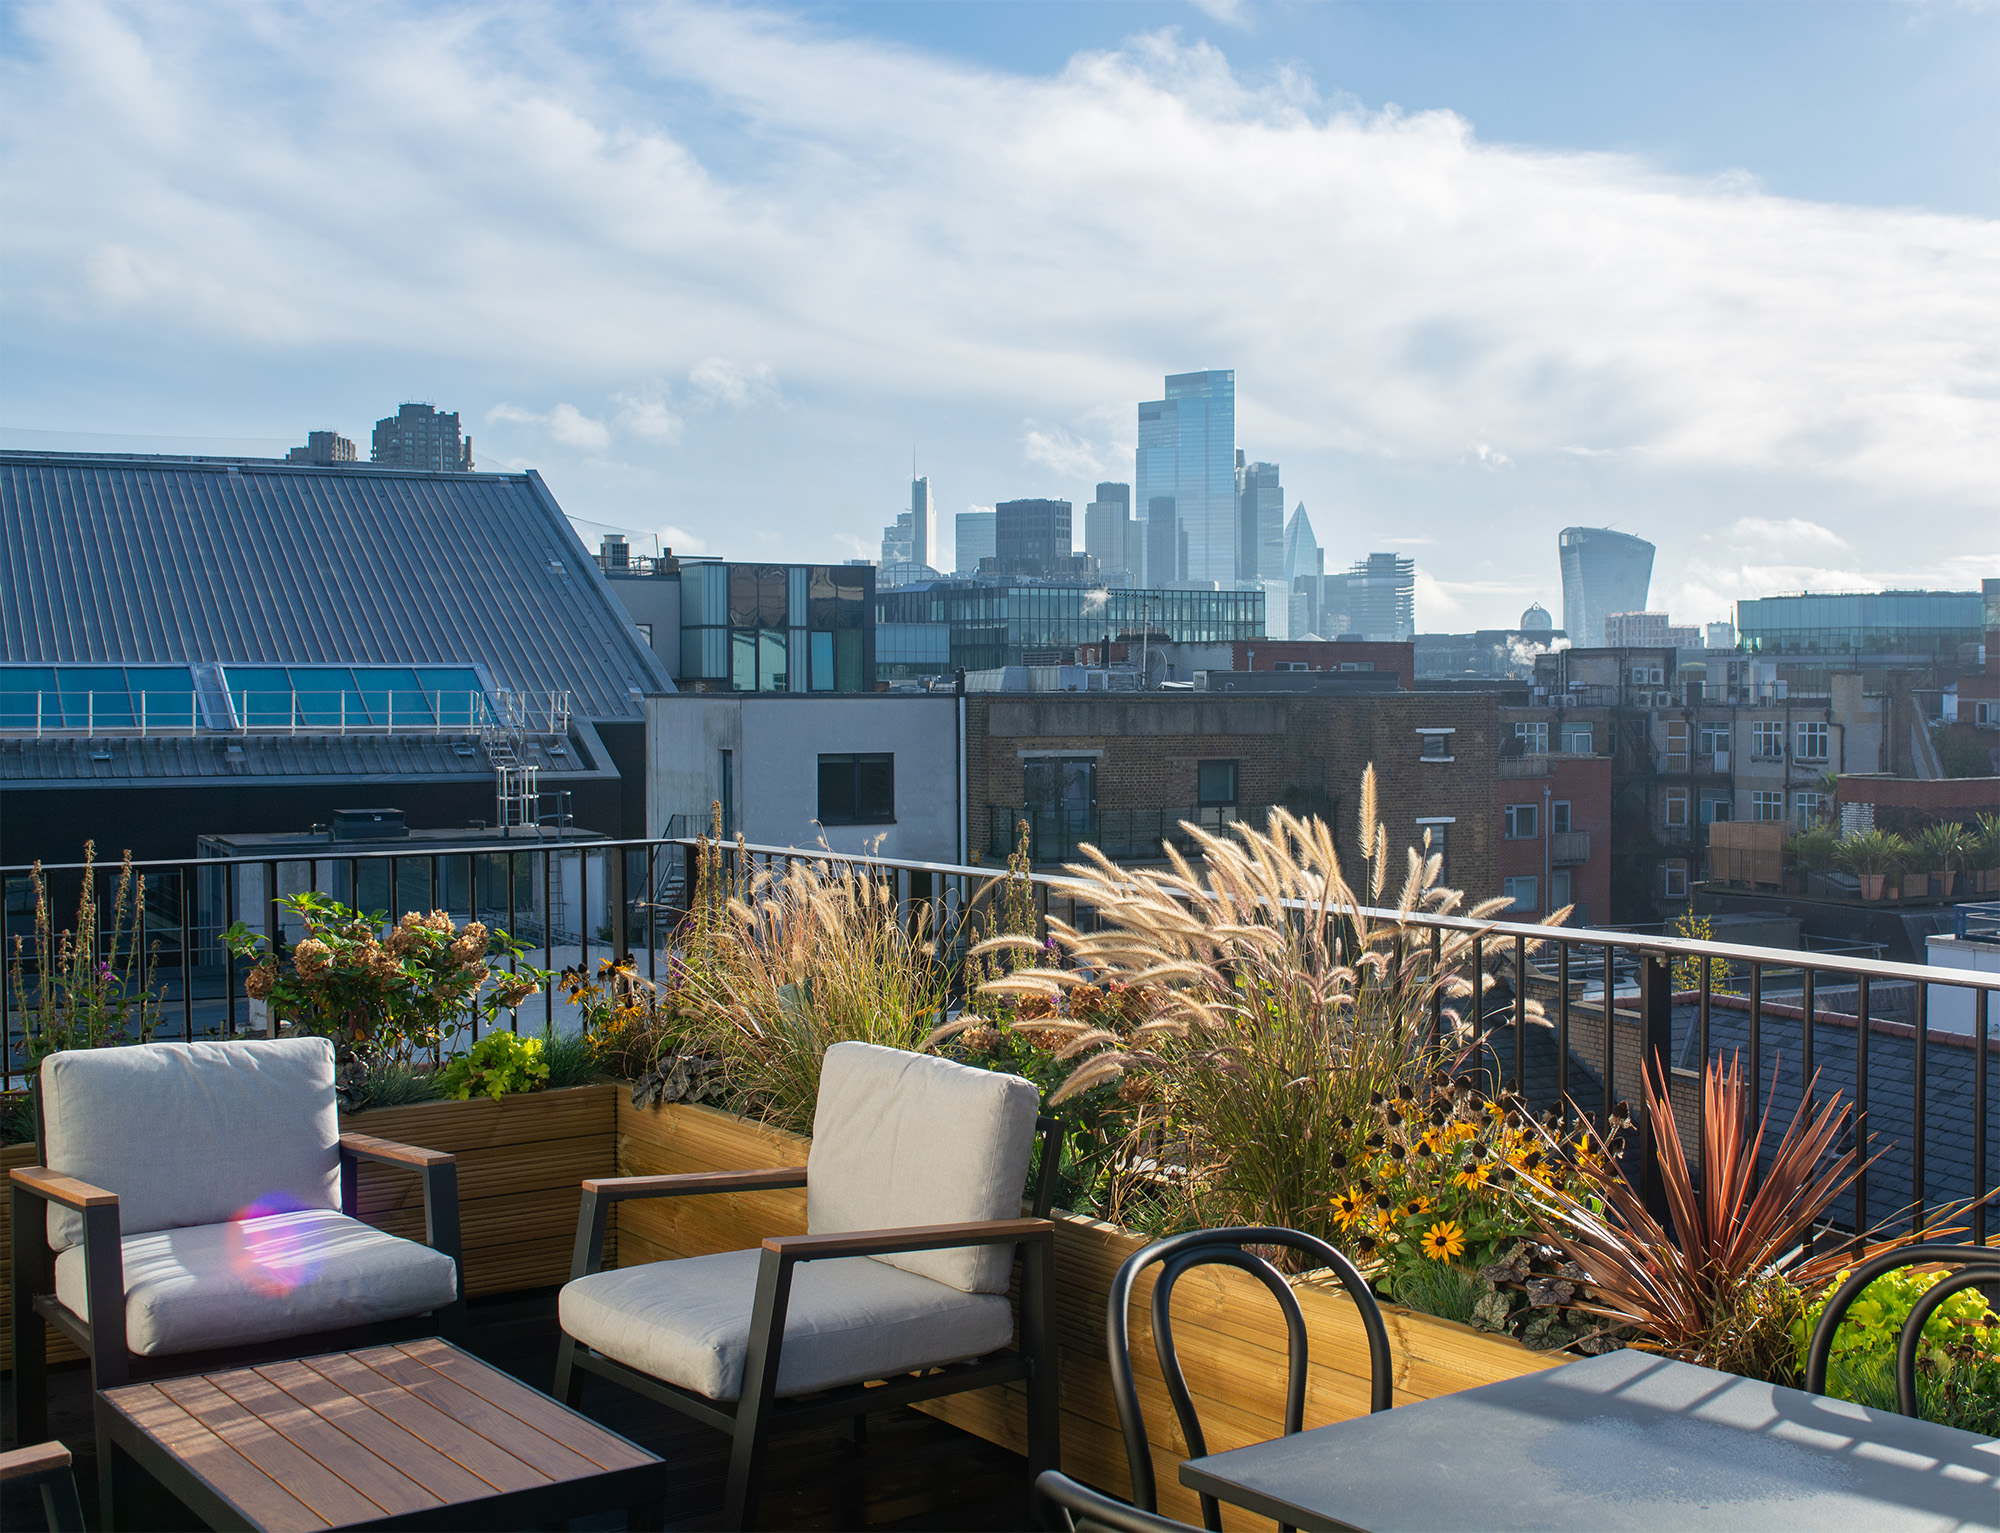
pixel 37 1459
pixel 923 1237
pixel 54 1187
pixel 617 1189
pixel 368 1147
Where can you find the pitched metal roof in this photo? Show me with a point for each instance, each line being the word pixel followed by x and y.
pixel 116 559
pixel 249 759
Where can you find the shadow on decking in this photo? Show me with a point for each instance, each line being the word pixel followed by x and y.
pixel 910 1472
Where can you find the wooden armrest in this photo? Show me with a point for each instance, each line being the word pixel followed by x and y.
pixel 368 1147
pixel 66 1190
pixel 923 1237
pixel 616 1189
pixel 40 1458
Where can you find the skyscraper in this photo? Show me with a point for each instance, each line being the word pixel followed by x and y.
pixel 1111 537
pixel 1376 598
pixel 1602 572
pixel 324 448
pixel 1303 555
pixel 1187 459
pixel 1031 537
pixel 1260 522
pixel 975 540
pixel 417 436
pixel 923 523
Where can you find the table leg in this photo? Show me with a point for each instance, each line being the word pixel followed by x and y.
pixel 645 1516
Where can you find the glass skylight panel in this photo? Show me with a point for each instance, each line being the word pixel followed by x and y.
pixel 96 697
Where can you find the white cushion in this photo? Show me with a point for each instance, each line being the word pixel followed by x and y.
pixel 903 1139
pixel 194 1133
pixel 221 1285
pixel 849 1320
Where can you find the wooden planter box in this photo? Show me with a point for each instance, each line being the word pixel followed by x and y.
pixel 1230 1335
pixel 521 1161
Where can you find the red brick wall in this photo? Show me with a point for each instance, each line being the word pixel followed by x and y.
pixel 1954 794
pixel 1327 655
pixel 1585 783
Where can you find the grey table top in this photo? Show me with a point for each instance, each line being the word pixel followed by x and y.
pixel 1622 1441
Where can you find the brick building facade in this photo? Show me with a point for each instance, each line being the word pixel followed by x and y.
pixel 1113 769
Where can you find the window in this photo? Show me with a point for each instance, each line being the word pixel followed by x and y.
pixel 1217 782
pixel 1767 738
pixel 1521 891
pixel 645 632
pixel 1291 665
pixel 1767 805
pixel 1986 715
pixel 1714 738
pixel 1434 744
pixel 857 790
pixel 1807 808
pixel 1435 838
pixel 1674 878
pixel 1061 791
pixel 1677 807
pixel 1812 742
pixel 1677 745
pixel 727 797
pixel 1534 738
pixel 1559 895
pixel 1522 821
pixel 1576 741
pixel 1714 810
pixel 1559 817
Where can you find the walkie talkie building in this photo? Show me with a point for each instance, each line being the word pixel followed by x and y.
pixel 1603 572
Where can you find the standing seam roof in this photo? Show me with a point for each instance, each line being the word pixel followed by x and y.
pixel 135 560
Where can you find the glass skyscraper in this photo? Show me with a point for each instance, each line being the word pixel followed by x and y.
pixel 1187 459
pixel 1602 572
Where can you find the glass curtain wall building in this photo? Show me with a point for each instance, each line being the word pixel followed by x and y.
pixel 777 627
pixel 1602 572
pixel 1187 459
pixel 935 629
pixel 1888 623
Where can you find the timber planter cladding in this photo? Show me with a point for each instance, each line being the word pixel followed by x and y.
pixel 521 1163
pixel 1229 1334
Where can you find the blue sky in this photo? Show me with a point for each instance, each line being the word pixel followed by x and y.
pixel 1728 276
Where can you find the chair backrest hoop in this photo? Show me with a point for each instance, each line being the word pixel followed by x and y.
pixel 1181 1253
pixel 1920 1312
pixel 1086 1511
pixel 1974 1258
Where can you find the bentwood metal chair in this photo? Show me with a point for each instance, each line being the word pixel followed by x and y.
pixel 897 1294
pixel 1979 1267
pixel 200 1203
pixel 1180 1254
pixel 1067 1506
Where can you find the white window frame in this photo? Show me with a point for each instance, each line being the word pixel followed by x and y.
pixel 1424 747
pixel 1808 804
pixel 1675 808
pixel 1767 805
pixel 1674 878
pixel 1815 741
pixel 1571 734
pixel 1511 887
pixel 1767 739
pixel 1534 736
pixel 1510 817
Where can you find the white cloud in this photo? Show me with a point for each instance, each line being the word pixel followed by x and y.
pixel 681 541
pixel 739 385
pixel 1056 449
pixel 647 416
pixel 1490 457
pixel 1793 532
pixel 564 423
pixel 1229 11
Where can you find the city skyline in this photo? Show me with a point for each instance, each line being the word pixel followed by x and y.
pixel 723 292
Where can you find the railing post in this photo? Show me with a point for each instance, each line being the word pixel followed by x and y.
pixel 1656 1033
pixel 614 905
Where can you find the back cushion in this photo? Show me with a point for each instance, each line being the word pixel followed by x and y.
pixel 193 1133
pixel 903 1139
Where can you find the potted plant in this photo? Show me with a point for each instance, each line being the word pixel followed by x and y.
pixel 1940 849
pixel 1983 852
pixel 1871 856
pixel 1810 851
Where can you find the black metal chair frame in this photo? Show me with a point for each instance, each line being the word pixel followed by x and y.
pixel 46 1467
pixel 102 1337
pixel 1979 1265
pixel 1079 1509
pixel 758 1412
pixel 1179 1254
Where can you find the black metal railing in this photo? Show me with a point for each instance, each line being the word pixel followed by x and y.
pixel 1910 1047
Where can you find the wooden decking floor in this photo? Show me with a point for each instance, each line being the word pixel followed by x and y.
pixel 909 1472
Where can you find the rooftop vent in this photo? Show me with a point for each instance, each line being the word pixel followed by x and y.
pixel 369 825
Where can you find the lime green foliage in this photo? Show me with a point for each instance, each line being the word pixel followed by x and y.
pixel 494 1066
pixel 1687 971
pixel 89 987
pixel 1958 1360
pixel 571 1060
pixel 1813 849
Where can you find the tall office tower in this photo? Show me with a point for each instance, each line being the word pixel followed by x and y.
pixel 324 448
pixel 1303 555
pixel 1381 598
pixel 1721 635
pixel 899 540
pixel 975 538
pixel 1166 549
pixel 1187 457
pixel 417 436
pixel 923 523
pixel 1031 537
pixel 1111 537
pixel 1260 523
pixel 1602 572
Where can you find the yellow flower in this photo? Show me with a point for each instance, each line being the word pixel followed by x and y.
pixel 1460 1131
pixel 1347 1207
pixel 1443 1240
pixel 1473 1177
pixel 1416 1208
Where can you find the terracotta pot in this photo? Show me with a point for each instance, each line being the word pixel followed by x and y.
pixel 1949 877
pixel 1871 884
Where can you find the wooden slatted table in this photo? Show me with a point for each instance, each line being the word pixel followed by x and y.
pixel 417 1435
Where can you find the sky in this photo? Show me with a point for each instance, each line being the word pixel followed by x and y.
pixel 1726 276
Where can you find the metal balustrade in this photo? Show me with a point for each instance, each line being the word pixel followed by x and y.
pixel 1911 1047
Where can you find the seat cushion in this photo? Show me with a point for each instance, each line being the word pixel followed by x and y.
pixel 849 1321
pixel 194 1133
pixel 905 1139
pixel 220 1285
